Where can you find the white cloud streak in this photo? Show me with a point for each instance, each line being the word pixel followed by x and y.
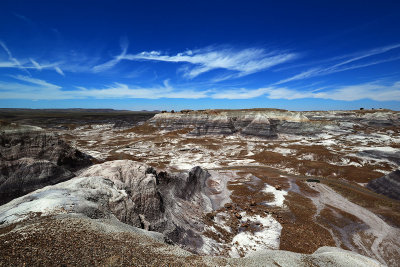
pixel 374 91
pixel 59 71
pixel 35 81
pixel 244 62
pixel 119 90
pixel 241 93
pixel 13 59
pixel 35 64
pixel 343 66
pixel 109 64
pixel 36 89
pixel 27 64
pixel 22 17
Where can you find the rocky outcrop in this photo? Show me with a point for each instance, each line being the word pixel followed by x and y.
pixel 22 176
pixel 388 185
pixel 266 124
pixel 366 118
pixel 385 153
pixel 159 201
pixel 134 193
pixel 31 158
pixel 269 123
pixel 172 204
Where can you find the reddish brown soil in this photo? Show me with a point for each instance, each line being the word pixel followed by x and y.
pixel 300 233
pixel 141 129
pixel 318 167
pixel 335 219
pixel 68 243
pixel 387 208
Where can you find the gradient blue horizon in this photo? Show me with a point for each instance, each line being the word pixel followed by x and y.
pixel 163 55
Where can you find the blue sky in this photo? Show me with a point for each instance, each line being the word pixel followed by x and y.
pixel 297 55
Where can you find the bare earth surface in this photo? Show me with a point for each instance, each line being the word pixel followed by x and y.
pixel 299 190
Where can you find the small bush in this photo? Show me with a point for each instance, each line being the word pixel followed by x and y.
pixel 313 180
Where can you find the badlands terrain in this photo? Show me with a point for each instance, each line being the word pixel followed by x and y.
pixel 258 187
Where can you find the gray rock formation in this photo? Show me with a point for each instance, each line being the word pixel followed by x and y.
pixel 135 193
pixel 167 203
pixel 388 185
pixel 392 155
pixel 373 118
pixel 269 123
pixel 31 158
pixel 264 124
pixel 172 204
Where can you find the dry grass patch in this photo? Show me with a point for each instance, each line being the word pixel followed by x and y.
pixel 269 157
pixel 123 156
pixel 141 129
pixel 395 145
pixel 178 133
pixel 337 220
pixel 320 153
pixel 300 233
pixel 305 189
pixel 319 167
pixel 387 208
pixel 350 173
pixel 208 143
pixel 71 242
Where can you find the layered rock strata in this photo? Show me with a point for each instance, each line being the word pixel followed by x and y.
pixel 269 123
pixel 158 201
pixel 388 185
pixel 31 159
pixel 134 193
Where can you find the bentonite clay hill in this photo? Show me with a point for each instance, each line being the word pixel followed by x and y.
pixel 388 185
pixel 214 187
pixel 84 211
pixel 31 158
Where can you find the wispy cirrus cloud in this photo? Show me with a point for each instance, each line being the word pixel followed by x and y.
pixel 243 62
pixel 35 81
pixel 345 65
pixel 373 90
pixel 31 88
pixel 36 89
pixel 26 65
pixel 109 64
pixel 59 70
pixel 26 87
pixel 14 62
pixel 36 64
pixel 22 17
pixel 119 90
pixel 241 93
